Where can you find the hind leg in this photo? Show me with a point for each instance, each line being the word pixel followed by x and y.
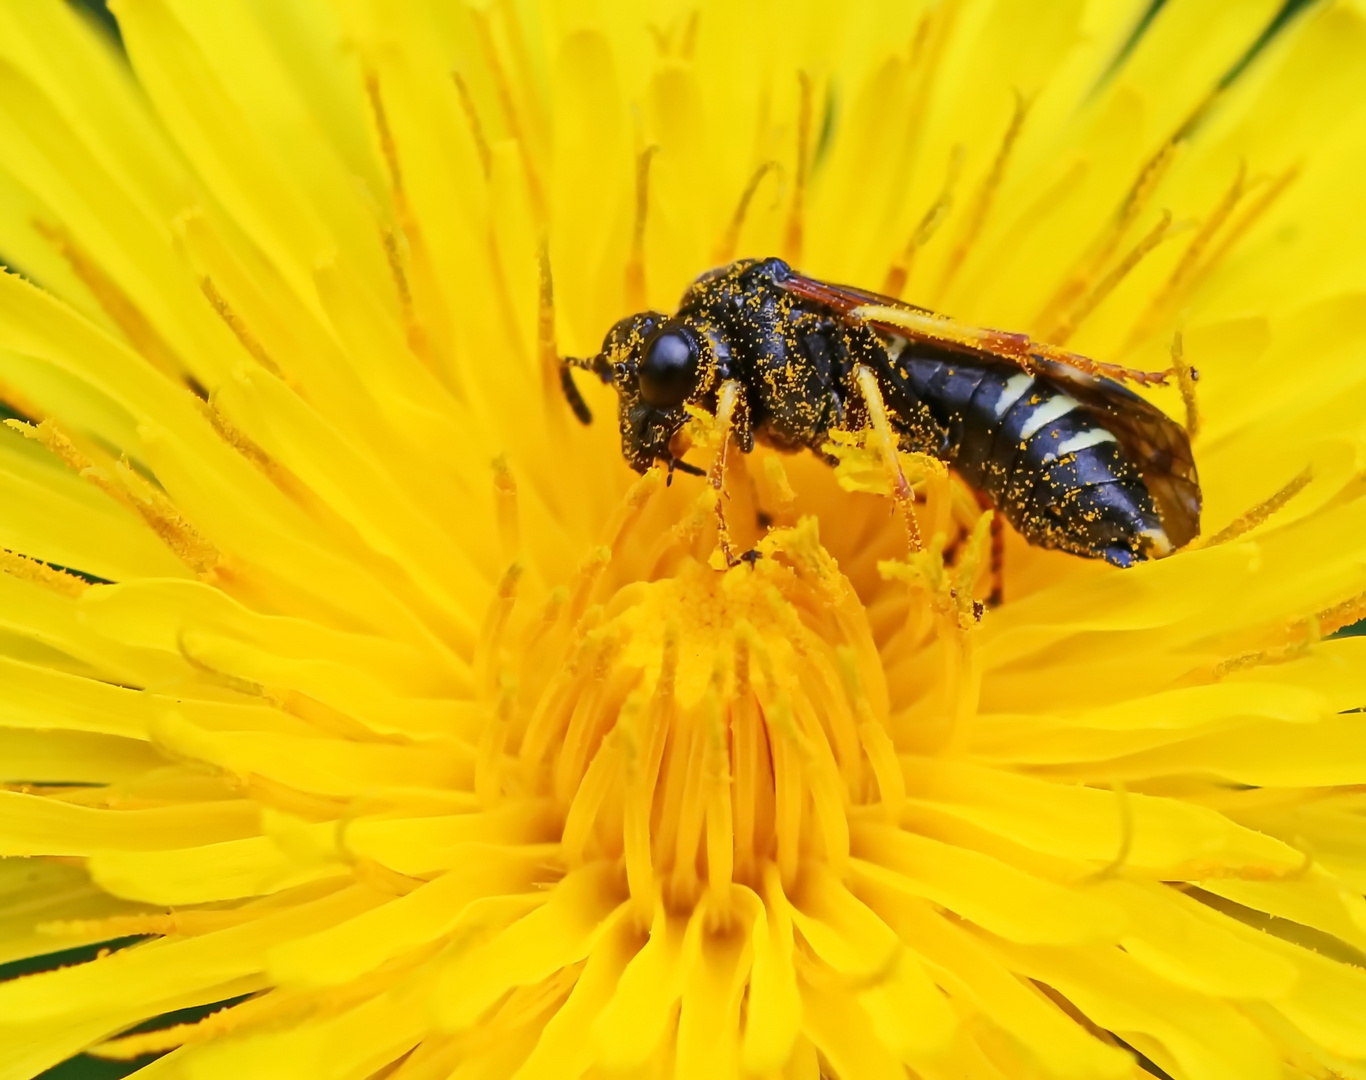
pixel 998 551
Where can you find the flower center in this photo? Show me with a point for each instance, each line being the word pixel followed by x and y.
pixel 705 727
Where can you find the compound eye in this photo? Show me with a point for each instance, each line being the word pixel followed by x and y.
pixel 668 373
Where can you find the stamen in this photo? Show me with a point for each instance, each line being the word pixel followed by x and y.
pixel 796 219
pixel 602 649
pixel 490 756
pixel 1069 323
pixel 690 28
pixel 511 116
pixel 481 142
pixel 898 274
pixel 725 249
pixel 117 304
pixel 1279 654
pixel 217 1023
pixel 150 924
pixel 716 787
pixel 926 55
pixel 629 510
pixel 400 242
pixel 505 507
pixel 788 795
pixel 388 148
pixel 874 740
pixel 48 435
pixel 1245 523
pixel 1332 619
pixel 166 521
pixel 1185 379
pixel 976 552
pixel 635 262
pixel 1174 287
pixel 235 683
pixel 985 198
pixel 1239 229
pixel 591 791
pixel 240 330
pixel 1135 201
pixel 552 367
pixel 236 439
pixel 395 256
pixel 40 573
pixel 123 484
pixel 687 43
pixel 643 775
pixel 681 814
pixel 495 624
pixel 526 68
pixel 747 746
pixel 554 712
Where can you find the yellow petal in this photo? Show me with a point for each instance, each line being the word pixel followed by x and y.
pixel 894 864
pixel 31 825
pixel 558 933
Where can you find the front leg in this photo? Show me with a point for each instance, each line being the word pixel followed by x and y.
pixel 732 418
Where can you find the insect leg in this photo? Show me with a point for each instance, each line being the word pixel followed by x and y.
pixel 904 496
pixel 598 366
pixel 577 405
pixel 731 417
pixel 1100 368
pixel 553 365
pixel 998 551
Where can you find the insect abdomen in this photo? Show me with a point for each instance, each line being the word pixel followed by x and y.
pixel 1044 460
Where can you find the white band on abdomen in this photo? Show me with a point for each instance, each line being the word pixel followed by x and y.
pixel 1012 391
pixel 1082 439
pixel 1046 413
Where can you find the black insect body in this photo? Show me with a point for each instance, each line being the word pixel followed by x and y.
pixel 1071 459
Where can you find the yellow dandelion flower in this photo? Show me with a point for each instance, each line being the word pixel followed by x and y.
pixel 373 709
